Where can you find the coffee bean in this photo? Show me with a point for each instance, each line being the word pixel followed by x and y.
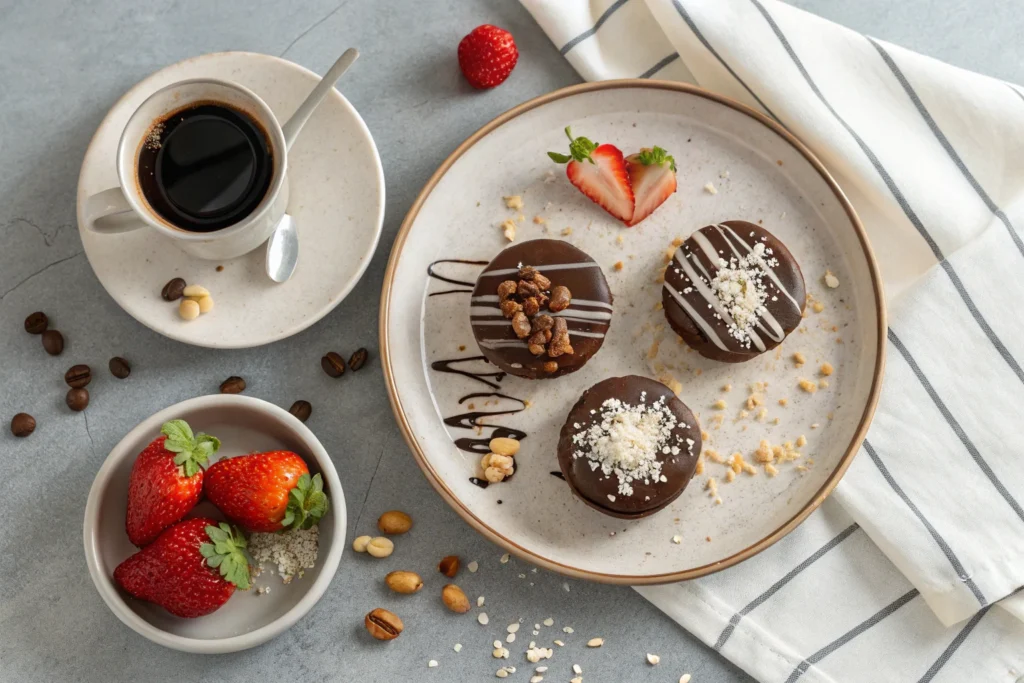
pixel 77 399
pixel 333 364
pixel 232 385
pixel 78 376
pixel 358 359
pixel 173 290
pixel 23 424
pixel 119 367
pixel 301 410
pixel 53 342
pixel 36 323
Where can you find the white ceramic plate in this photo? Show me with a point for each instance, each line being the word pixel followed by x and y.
pixel 761 174
pixel 336 196
pixel 243 425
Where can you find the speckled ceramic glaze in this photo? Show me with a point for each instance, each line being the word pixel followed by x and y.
pixel 336 186
pixel 243 424
pixel 449 401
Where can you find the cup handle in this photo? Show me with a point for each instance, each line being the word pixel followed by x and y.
pixel 109 213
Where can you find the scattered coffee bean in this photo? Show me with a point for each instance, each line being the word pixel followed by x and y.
pixel 301 410
pixel 22 425
pixel 53 342
pixel 394 522
pixel 173 290
pixel 383 625
pixel 119 367
pixel 77 399
pixel 449 566
pixel 454 599
pixel 358 359
pixel 78 376
pixel 333 364
pixel 232 385
pixel 36 323
pixel 404 582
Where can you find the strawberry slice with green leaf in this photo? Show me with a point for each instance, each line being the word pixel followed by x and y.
pixel 599 172
pixel 267 492
pixel 652 175
pixel 166 480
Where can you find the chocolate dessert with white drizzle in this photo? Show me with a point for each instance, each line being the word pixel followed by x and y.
pixel 541 309
pixel 733 291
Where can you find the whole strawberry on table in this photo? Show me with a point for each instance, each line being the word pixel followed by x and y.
pixel 191 567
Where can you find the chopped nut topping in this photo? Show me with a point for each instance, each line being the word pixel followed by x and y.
pixel 719 405
pixel 566 232
pixel 550 366
pixel 798 359
pixel 710 188
pixel 831 281
pixel 827 369
pixel 817 307
pixel 770 469
pixel 801 441
pixel 764 452
pixel 618 266
pixel 521 325
pixel 539 221
pixel 560 339
pixel 823 384
pixel 783 401
pixel 727 387
pixel 514 202
pixel 561 297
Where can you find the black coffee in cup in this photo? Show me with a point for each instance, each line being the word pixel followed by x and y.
pixel 205 167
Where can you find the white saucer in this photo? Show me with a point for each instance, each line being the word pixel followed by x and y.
pixel 337 198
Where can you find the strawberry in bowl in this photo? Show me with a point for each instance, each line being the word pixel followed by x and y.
pixel 190 569
pixel 166 480
pixel 266 492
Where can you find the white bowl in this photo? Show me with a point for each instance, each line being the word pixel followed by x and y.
pixel 243 425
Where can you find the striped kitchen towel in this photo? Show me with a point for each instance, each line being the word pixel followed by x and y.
pixel 933 159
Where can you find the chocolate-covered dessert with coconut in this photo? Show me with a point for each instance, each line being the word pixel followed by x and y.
pixel 629 447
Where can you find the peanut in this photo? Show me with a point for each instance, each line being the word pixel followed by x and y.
pixel 454 599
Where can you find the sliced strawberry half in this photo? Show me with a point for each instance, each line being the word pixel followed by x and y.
pixel 599 172
pixel 652 175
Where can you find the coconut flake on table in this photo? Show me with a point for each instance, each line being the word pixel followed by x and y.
pixel 292 551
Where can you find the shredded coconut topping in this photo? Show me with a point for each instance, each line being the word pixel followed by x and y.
pixel 627 439
pixel 740 288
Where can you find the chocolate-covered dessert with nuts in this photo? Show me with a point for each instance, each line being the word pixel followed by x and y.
pixel 629 447
pixel 733 291
pixel 541 309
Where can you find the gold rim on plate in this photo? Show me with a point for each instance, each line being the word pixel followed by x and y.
pixel 511 546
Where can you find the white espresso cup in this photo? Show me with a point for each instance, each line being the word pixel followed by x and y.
pixel 124 208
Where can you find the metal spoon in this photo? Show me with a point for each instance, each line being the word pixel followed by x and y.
pixel 283 245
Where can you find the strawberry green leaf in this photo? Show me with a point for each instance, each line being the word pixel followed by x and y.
pixel 228 554
pixel 191 450
pixel 656 156
pixel 579 150
pixel 307 503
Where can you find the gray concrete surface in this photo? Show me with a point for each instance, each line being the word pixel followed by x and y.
pixel 62 65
